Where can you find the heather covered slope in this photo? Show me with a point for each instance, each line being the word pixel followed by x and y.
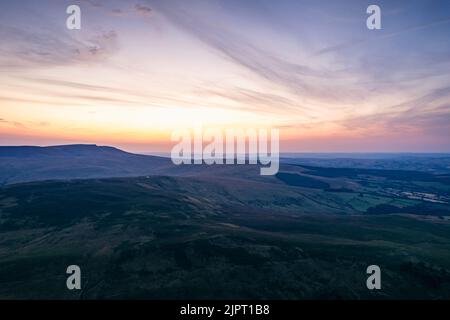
pixel 221 237
pixel 155 230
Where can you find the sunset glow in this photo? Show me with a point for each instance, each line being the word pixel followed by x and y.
pixel 134 73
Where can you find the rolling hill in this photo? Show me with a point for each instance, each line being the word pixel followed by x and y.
pixel 140 227
pixel 193 238
pixel 23 164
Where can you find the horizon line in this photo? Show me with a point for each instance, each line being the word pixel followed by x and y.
pixel 281 153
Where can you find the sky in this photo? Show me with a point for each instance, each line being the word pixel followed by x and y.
pixel 138 70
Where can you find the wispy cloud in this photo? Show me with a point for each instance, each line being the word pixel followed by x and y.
pixel 302 79
pixel 254 100
pixel 288 64
pixel 90 93
pixel 126 9
pixel 429 114
pixel 143 10
pixel 15 124
pixel 355 42
pixel 24 49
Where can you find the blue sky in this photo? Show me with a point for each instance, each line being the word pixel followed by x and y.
pixel 139 69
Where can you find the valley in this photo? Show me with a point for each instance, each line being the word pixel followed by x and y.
pixel 225 232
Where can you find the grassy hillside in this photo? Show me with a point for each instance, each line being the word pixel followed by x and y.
pixel 223 236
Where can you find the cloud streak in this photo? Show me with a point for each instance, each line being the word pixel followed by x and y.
pixel 26 49
pixel 300 79
pixel 350 44
pixel 429 114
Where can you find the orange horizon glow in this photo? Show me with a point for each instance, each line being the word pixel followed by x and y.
pixel 131 80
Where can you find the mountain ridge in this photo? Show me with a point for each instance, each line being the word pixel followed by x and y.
pixel 26 150
pixel 78 161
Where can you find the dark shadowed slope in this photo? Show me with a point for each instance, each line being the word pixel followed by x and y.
pixel 23 164
pixel 202 238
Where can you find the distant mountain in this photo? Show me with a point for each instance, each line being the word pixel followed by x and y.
pixel 85 161
pixel 63 150
pixel 30 163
